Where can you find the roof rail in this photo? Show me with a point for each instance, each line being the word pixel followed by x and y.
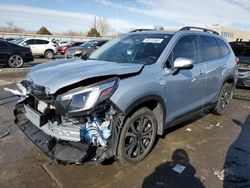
pixel 199 28
pixel 139 30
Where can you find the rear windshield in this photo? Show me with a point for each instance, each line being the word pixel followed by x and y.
pixel 135 48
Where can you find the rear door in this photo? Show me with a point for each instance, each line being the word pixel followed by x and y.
pixel 214 65
pixel 184 90
pixel 31 43
pixel 41 46
pixel 4 52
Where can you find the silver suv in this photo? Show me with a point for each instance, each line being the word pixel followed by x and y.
pixel 116 101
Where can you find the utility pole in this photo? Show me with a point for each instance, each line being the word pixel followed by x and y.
pixel 95 22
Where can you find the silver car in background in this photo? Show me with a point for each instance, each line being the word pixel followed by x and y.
pixel 115 102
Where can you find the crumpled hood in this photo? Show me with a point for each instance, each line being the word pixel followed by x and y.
pixel 60 73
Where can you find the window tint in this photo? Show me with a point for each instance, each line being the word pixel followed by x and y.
pixel 38 41
pixel 29 42
pixel 223 48
pixel 209 48
pixel 186 47
pixel 3 44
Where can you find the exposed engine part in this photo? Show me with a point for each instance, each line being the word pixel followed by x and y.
pixel 97 132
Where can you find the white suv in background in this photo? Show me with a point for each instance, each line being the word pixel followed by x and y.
pixel 42 47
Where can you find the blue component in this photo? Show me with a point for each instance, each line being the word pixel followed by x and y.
pixel 96 120
pixel 106 133
pixel 83 131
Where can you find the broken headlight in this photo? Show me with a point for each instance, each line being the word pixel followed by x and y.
pixel 84 98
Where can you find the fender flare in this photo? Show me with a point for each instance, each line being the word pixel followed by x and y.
pixel 162 108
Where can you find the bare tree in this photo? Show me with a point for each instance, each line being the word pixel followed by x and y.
pixel 11 27
pixel 102 26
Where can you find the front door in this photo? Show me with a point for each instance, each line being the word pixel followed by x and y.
pixel 184 91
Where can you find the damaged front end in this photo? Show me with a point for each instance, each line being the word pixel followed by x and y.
pixel 74 125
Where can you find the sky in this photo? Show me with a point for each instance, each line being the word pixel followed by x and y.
pixel 78 15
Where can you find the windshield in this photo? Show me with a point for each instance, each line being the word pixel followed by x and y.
pixel 17 41
pixel 88 44
pixel 135 48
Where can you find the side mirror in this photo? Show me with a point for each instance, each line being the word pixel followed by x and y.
pixel 182 63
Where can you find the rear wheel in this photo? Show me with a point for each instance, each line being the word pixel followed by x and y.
pixel 49 54
pixel 225 96
pixel 15 61
pixel 137 137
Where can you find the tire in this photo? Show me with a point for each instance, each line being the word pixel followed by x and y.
pixel 137 137
pixel 224 98
pixel 15 61
pixel 49 54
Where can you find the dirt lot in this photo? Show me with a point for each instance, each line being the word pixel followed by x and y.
pixel 204 146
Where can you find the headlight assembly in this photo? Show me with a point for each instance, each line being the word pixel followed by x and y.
pixel 83 98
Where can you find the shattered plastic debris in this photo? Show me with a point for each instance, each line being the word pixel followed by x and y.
pixel 211 126
pixel 202 178
pixel 5 134
pixel 188 129
pixel 179 168
pixel 229 175
pixel 217 125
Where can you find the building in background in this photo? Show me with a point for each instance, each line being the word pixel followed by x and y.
pixel 231 34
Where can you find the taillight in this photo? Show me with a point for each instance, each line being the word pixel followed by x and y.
pixel 237 60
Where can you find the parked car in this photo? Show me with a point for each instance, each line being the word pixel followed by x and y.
pixel 13 55
pixel 242 51
pixel 64 48
pixel 125 94
pixel 40 47
pixel 64 43
pixel 86 48
pixel 10 39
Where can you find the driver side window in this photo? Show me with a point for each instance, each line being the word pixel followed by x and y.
pixel 186 47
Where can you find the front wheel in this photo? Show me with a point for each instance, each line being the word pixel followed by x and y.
pixel 224 98
pixel 137 137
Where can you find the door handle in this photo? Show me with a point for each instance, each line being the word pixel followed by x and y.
pixel 202 73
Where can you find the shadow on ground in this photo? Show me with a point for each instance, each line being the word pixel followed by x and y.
pixel 165 176
pixel 237 162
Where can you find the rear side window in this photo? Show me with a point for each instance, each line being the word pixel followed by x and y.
pixel 41 41
pixel 30 42
pixel 223 48
pixel 186 47
pixel 209 48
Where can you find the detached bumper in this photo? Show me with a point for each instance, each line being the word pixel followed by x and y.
pixel 61 151
pixel 67 151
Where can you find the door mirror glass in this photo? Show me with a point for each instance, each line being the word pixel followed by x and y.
pixel 183 63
